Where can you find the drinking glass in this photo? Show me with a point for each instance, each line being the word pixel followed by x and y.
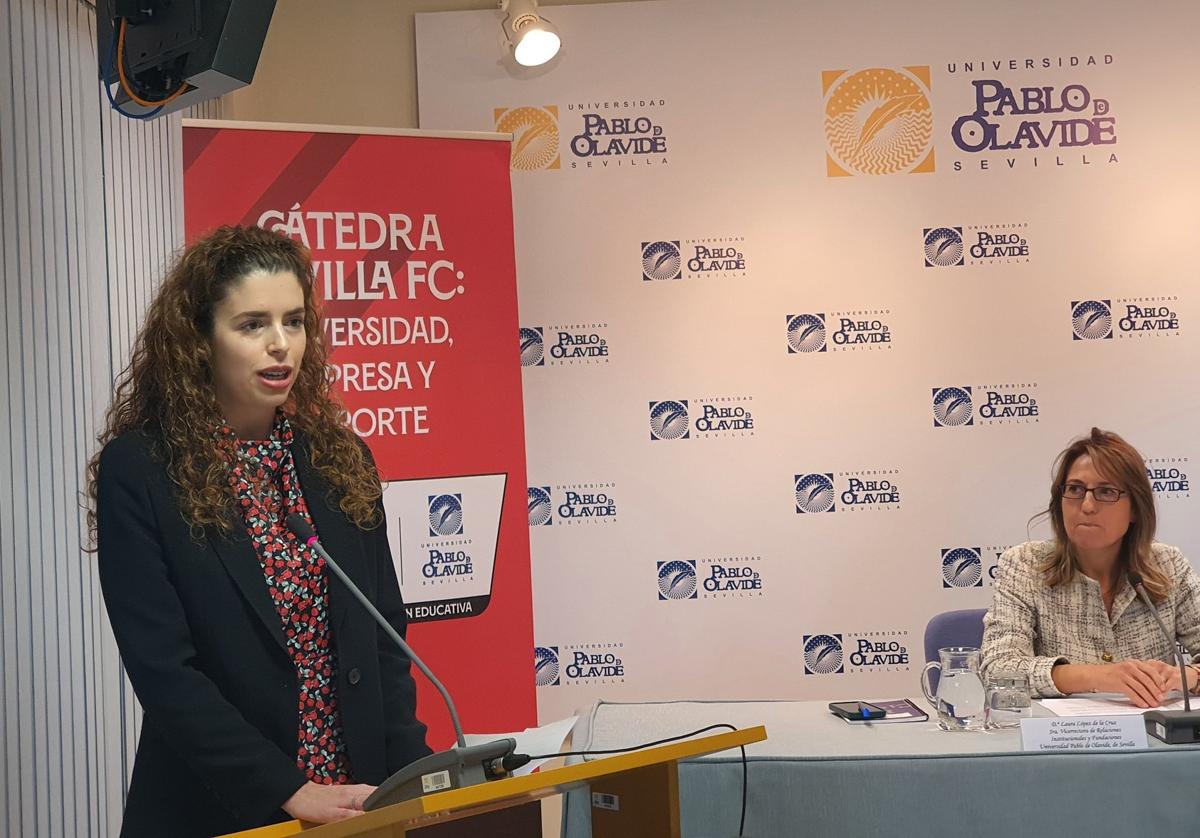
pixel 1008 700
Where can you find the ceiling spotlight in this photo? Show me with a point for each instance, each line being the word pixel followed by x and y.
pixel 532 39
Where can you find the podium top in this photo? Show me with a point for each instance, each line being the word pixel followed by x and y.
pixel 499 794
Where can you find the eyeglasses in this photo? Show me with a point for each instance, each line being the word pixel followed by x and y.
pixel 1102 494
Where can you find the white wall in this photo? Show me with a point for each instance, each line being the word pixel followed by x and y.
pixel 352 62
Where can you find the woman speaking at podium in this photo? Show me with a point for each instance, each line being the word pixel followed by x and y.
pixel 266 689
pixel 1064 613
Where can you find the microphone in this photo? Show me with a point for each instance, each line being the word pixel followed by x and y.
pixel 457 767
pixel 1171 726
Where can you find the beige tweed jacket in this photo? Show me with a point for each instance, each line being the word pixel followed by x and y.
pixel 1031 626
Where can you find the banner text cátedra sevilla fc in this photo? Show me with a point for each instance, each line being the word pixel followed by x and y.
pixel 412 243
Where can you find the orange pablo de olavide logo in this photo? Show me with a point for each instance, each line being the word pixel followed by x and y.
pixel 535 136
pixel 878 121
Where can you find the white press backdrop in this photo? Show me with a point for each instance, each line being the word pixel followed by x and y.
pixel 806 154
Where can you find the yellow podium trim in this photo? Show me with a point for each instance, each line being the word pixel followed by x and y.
pixel 473 800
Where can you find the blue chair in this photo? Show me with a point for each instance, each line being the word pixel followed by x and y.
pixel 952 628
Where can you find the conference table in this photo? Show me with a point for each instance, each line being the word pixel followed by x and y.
pixel 817 775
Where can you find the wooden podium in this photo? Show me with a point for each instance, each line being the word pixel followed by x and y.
pixel 641 791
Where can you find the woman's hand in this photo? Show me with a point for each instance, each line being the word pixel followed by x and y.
pixel 1170 671
pixel 316 803
pixel 1146 683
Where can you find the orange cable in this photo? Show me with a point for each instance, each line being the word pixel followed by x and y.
pixel 127 87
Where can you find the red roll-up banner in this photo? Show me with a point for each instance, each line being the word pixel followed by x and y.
pixel 412 242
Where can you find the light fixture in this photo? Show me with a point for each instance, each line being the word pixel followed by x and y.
pixel 532 39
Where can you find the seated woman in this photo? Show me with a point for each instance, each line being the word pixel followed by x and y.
pixel 1063 612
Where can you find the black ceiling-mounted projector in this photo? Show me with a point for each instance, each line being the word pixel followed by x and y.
pixel 177 53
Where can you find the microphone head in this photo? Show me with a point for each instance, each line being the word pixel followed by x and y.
pixel 1135 579
pixel 299 527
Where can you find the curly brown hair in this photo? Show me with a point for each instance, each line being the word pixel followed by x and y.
pixel 167 392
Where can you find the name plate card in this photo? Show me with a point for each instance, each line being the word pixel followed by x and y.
pixel 1084 733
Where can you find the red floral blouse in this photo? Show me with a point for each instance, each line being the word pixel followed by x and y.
pixel 268 490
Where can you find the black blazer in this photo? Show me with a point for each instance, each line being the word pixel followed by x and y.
pixel 204 650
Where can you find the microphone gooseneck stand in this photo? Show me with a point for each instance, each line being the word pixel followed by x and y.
pixel 460 766
pixel 1175 727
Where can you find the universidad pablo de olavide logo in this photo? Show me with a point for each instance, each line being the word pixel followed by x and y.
pixel 878 121
pixel 444 532
pixel 535 136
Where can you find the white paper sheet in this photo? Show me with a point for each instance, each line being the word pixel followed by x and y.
pixel 547 739
pixel 1104 704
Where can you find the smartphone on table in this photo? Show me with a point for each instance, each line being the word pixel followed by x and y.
pixel 856 710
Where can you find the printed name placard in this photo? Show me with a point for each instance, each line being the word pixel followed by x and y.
pixel 1084 733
